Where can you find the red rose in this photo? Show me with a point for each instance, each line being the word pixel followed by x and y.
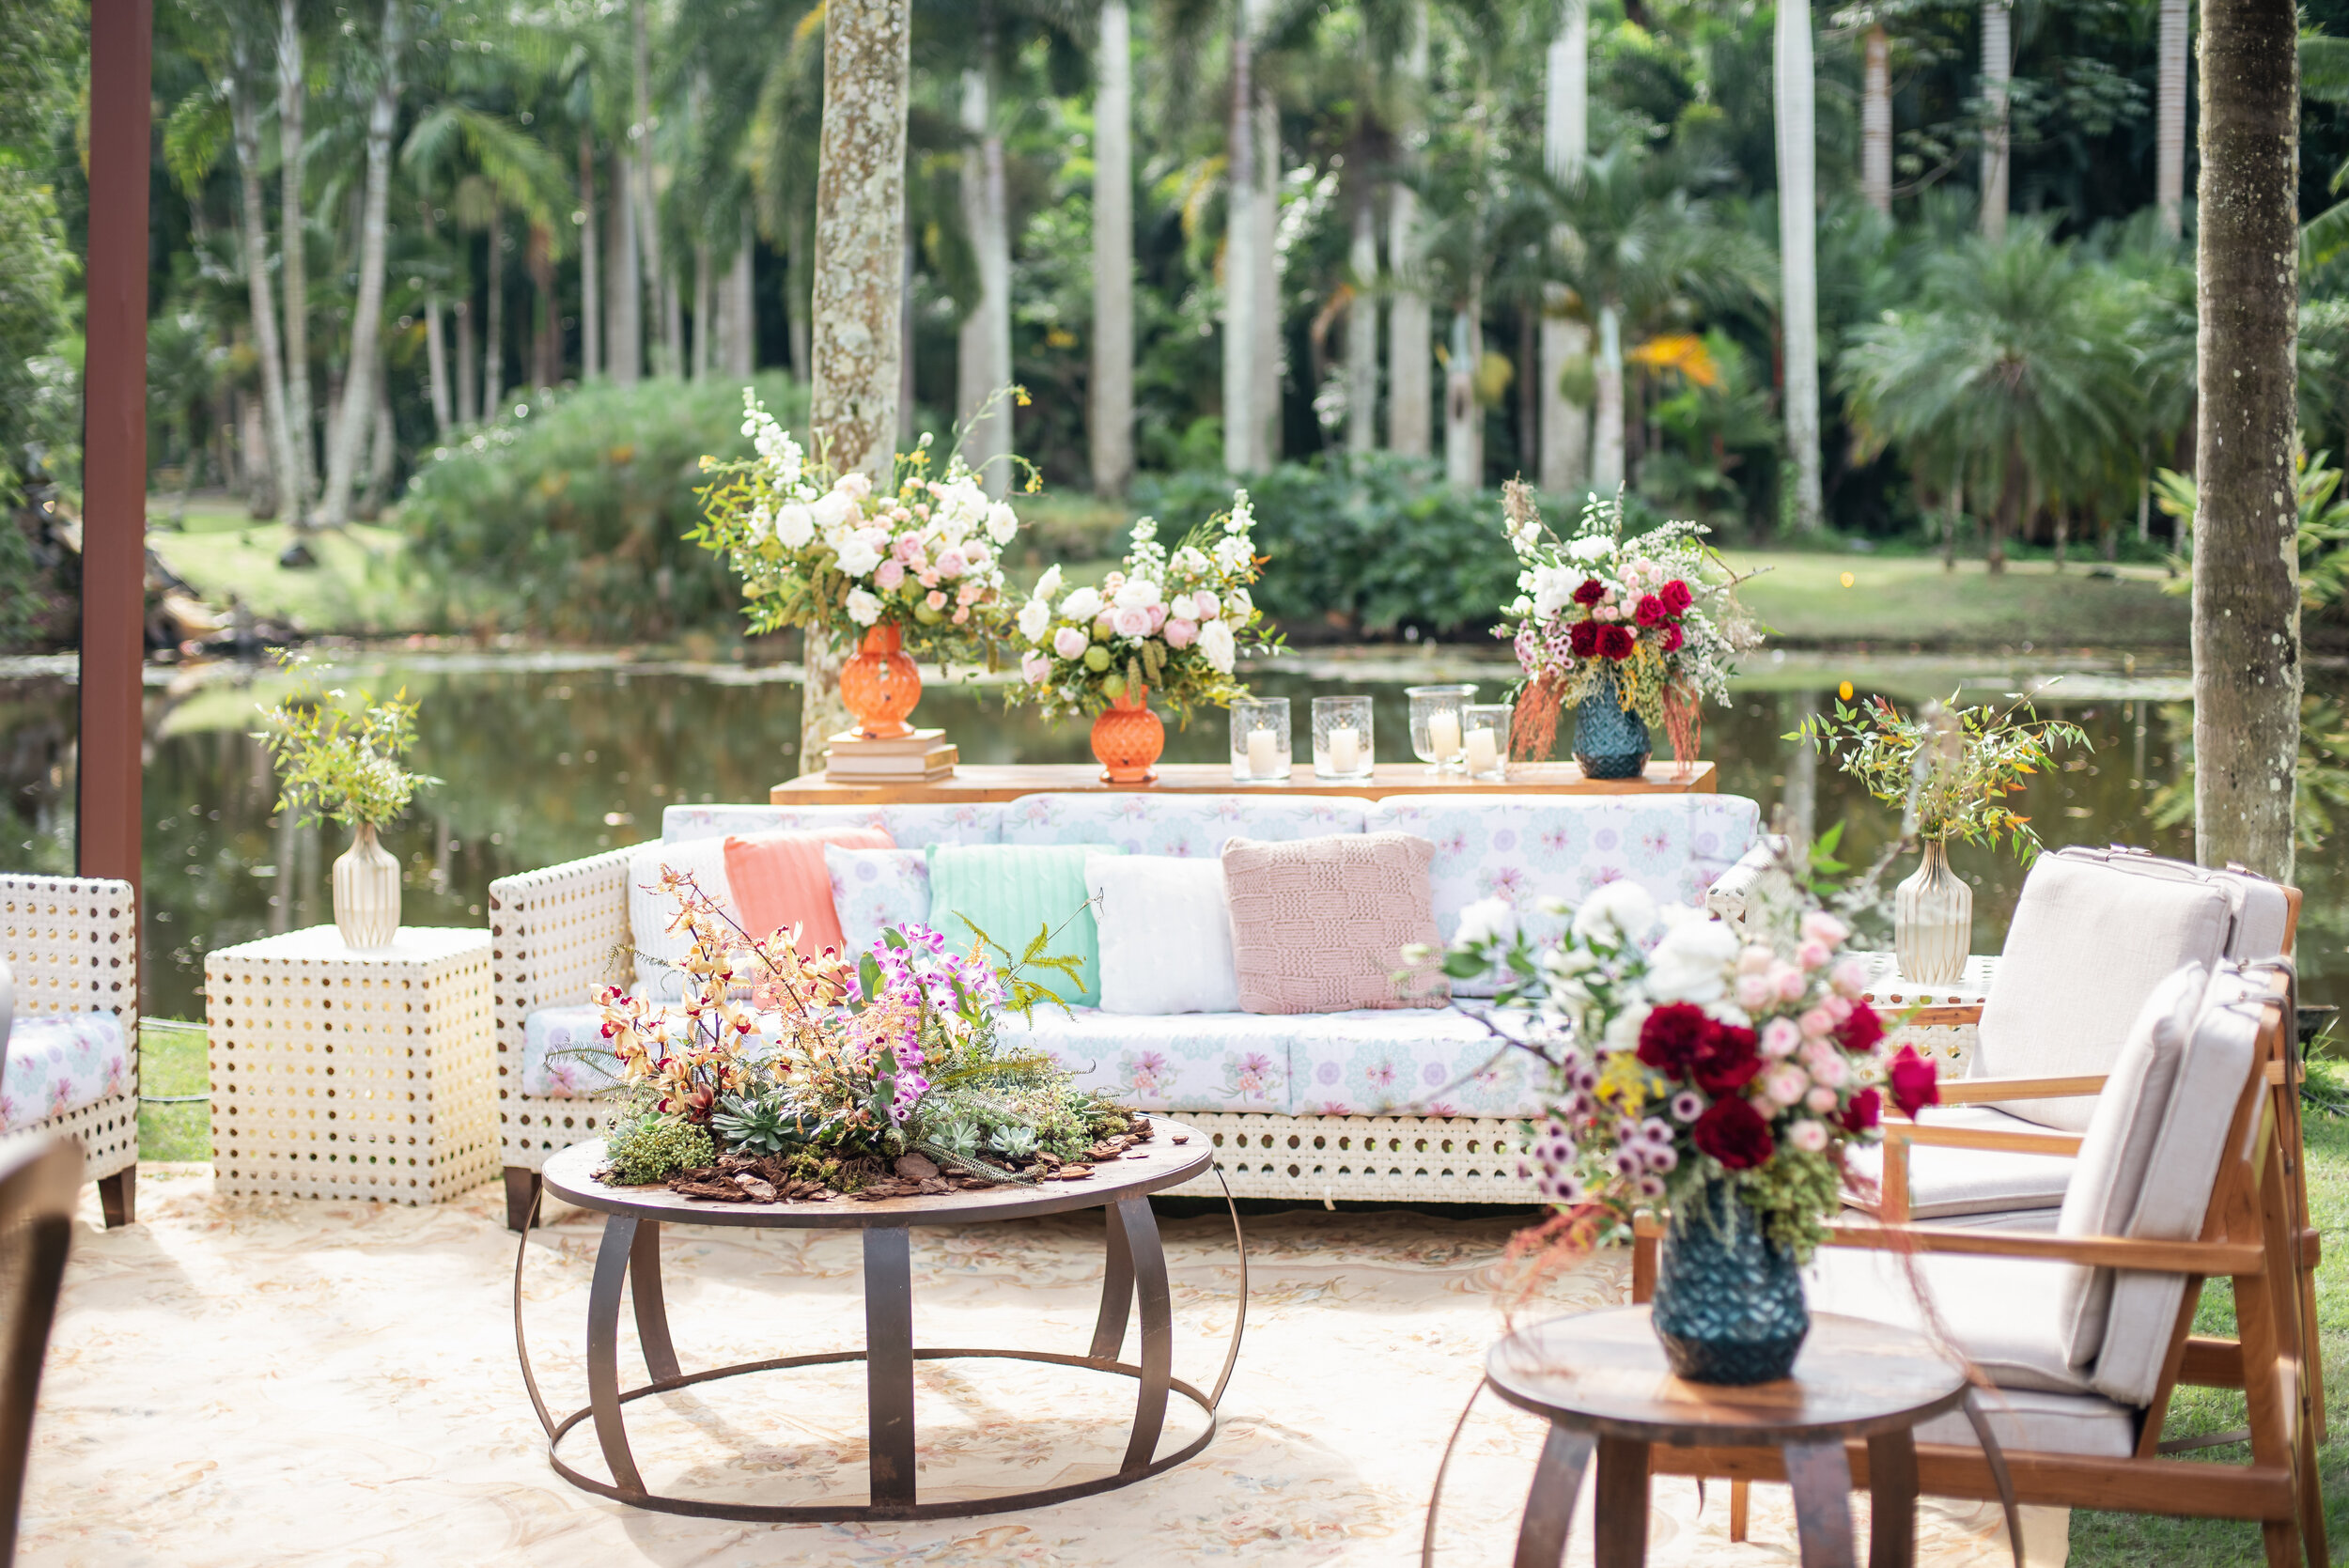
pixel 1675 1037
pixel 1915 1083
pixel 1729 1061
pixel 1592 591
pixel 1861 1031
pixel 1672 638
pixel 1732 1132
pixel 1650 611
pixel 1864 1110
pixel 1614 641
pixel 1583 637
pixel 1675 596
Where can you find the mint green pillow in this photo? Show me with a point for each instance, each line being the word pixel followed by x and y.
pixel 1010 890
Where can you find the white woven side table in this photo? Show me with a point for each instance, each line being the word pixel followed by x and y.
pixel 1953 1043
pixel 343 1074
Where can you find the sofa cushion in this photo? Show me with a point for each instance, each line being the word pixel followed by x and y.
pixel 1359 1064
pixel 1010 892
pixel 1320 926
pixel 969 822
pixel 61 1061
pixel 1192 825
pixel 1949 1183
pixel 1166 935
pixel 2088 944
pixel 659 949
pixel 779 881
pixel 874 889
pixel 1523 848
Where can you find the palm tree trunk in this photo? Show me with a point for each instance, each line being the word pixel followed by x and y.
pixel 245 128
pixel 383 446
pixel 1875 122
pixel 740 344
pixel 546 349
pixel 468 365
pixel 435 340
pixel 624 338
pixel 648 206
pixel 860 231
pixel 366 322
pixel 2170 120
pixel 1362 327
pixel 1463 420
pixel 1565 438
pixel 493 322
pixel 983 348
pixel 704 359
pixel 798 293
pixel 1606 423
pixel 1240 329
pixel 590 284
pixel 1411 343
pixel 2246 590
pixel 906 413
pixel 1109 424
pixel 2012 479
pixel 1998 71
pixel 293 262
pixel 1797 245
pixel 1271 359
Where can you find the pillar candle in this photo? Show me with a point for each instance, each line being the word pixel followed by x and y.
pixel 1346 751
pixel 1263 758
pixel 1443 735
pixel 1484 755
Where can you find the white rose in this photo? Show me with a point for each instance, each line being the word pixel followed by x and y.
pixel 1083 605
pixel 1615 912
pixel 1048 587
pixel 864 608
pixel 795 525
pixel 1036 618
pixel 1001 523
pixel 1553 589
pixel 1137 593
pixel 1486 920
pixel 860 553
pixel 1238 604
pixel 1215 641
pixel 832 510
pixel 1693 962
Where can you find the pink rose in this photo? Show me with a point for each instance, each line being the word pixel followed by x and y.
pixel 950 563
pixel 971 592
pixel 1101 626
pixel 1789 981
pixel 1785 1083
pixel 1849 978
pixel 1820 926
pixel 962 615
pixel 1130 623
pixel 928 579
pixel 1813 955
pixel 1779 1038
pixel 1838 1008
pixel 935 599
pixel 1818 1023
pixel 1069 643
pixel 1754 991
pixel 907 548
pixel 1204 605
pixel 1181 634
pixel 1820 1100
pixel 1033 667
pixel 1754 959
pixel 1158 616
pixel 891 573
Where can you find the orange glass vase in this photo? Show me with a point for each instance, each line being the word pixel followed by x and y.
pixel 879 684
pixel 1127 738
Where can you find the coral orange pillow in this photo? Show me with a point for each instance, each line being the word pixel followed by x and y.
pixel 779 881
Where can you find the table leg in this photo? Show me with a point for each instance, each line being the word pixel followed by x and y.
pixel 1620 1532
pixel 1117 1290
pixel 603 1351
pixel 1821 1479
pixel 889 1361
pixel 1892 1501
pixel 652 1313
pixel 1148 1261
pixel 1549 1506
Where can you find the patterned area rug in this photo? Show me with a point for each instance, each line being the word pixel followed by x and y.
pixel 244 1382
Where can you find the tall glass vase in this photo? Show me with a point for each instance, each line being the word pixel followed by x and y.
pixel 1933 919
pixel 1728 1305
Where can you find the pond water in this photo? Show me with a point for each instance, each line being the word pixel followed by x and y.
pixel 551 757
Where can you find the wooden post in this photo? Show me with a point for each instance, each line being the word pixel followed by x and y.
pixel 114 442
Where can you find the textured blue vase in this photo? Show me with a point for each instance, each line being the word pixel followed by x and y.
pixel 1728 1305
pixel 1609 742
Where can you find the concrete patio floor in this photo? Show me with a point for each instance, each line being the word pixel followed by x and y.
pixel 238 1382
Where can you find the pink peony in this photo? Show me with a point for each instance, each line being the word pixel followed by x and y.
pixel 1033 667
pixel 1849 978
pixel 891 574
pixel 1813 955
pixel 1130 623
pixel 1181 634
pixel 1204 604
pixel 950 563
pixel 1069 643
pixel 927 578
pixel 1754 992
pixel 1820 926
pixel 1158 616
pixel 1818 1023
pixel 1790 981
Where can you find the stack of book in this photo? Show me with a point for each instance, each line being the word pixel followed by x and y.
pixel 920 756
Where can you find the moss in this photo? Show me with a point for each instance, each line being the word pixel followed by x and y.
pixel 652 1148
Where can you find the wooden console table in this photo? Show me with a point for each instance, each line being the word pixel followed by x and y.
pixel 1009 781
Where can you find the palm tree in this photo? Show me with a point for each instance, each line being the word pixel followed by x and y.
pixel 1998 71
pixel 2014 362
pixel 1410 346
pixel 1797 228
pixel 1110 422
pixel 357 414
pixel 1242 329
pixel 293 228
pixel 1565 424
pixel 2169 123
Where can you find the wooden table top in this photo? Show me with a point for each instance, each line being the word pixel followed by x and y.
pixel 1604 1371
pixel 1010 781
pixel 1154 1166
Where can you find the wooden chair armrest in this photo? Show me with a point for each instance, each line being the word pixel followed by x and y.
pixel 1983 1138
pixel 2212 1259
pixel 1939 1015
pixel 1981 1090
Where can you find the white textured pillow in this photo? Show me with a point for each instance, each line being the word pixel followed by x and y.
pixel 1166 934
pixel 651 911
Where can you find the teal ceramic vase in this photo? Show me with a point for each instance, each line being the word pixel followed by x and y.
pixel 1609 742
pixel 1728 1305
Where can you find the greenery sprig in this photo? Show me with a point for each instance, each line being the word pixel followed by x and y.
pixel 334 764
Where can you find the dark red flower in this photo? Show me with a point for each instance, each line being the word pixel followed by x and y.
pixel 1864 1111
pixel 1614 641
pixel 1650 611
pixel 1915 1083
pixel 1861 1031
pixel 1592 591
pixel 1729 1061
pixel 1671 638
pixel 1675 1037
pixel 1675 596
pixel 1583 637
pixel 1732 1132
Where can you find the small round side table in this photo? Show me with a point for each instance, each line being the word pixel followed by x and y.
pixel 630 1255
pixel 1602 1381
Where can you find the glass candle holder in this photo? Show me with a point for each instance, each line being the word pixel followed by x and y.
pixel 1342 739
pixel 1260 740
pixel 1437 738
pixel 1485 740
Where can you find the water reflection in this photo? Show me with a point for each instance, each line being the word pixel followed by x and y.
pixel 551 759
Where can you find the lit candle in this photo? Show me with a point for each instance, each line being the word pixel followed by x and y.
pixel 1345 750
pixel 1263 762
pixel 1484 754
pixel 1443 734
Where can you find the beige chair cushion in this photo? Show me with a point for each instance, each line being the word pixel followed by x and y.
pixel 2088 946
pixel 2030 1420
pixel 2257 909
pixel 2000 1312
pixel 2119 1144
pixel 1952 1184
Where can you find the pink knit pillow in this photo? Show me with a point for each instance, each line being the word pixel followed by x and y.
pixel 1319 924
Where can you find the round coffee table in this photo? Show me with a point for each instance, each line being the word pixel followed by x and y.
pixel 630 1251
pixel 1602 1381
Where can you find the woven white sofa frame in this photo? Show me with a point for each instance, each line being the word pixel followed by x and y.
pixel 73 944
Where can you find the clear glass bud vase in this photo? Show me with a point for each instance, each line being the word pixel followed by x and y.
pixel 1933 919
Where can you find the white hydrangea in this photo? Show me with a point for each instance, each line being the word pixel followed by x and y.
pixel 795 525
pixel 1589 549
pixel 864 608
pixel 1553 589
pixel 1035 617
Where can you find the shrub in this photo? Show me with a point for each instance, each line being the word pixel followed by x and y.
pixel 572 519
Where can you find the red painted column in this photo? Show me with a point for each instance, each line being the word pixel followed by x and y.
pixel 114 440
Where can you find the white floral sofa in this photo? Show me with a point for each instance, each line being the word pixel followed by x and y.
pixel 1377 1104
pixel 69 1013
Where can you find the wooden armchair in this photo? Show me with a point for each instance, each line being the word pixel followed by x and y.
pixel 2085 1334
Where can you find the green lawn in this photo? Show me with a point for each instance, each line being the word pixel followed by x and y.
pixel 356 587
pixel 1904 600
pixel 173 1061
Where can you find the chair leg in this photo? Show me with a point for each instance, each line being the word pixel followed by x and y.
pixel 119 1195
pixel 521 1189
pixel 1740 1508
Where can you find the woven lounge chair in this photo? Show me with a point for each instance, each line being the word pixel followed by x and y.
pixel 72 945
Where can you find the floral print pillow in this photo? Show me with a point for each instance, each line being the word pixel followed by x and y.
pixel 873 889
pixel 61 1062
